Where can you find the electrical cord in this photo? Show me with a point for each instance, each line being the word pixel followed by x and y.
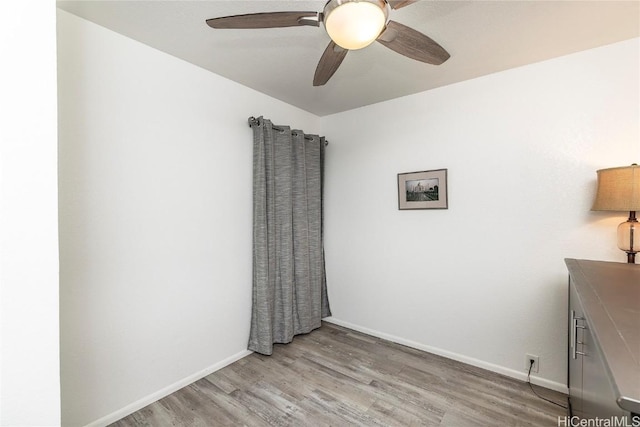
pixel 534 392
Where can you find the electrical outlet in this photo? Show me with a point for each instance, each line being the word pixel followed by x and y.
pixel 527 363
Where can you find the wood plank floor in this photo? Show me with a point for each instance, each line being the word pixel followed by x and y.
pixel 336 377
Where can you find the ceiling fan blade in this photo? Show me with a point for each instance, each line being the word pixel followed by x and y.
pixel 397 4
pixel 266 20
pixel 413 44
pixel 331 59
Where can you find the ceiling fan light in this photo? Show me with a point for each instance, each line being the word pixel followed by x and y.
pixel 355 24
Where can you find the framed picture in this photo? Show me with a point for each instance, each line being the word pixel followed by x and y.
pixel 423 190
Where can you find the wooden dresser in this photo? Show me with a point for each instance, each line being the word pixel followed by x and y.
pixel 604 339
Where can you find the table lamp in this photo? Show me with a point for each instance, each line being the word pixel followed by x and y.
pixel 619 190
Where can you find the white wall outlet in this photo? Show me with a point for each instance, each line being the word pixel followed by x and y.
pixel 527 363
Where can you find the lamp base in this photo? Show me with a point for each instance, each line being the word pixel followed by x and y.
pixel 631 257
pixel 629 237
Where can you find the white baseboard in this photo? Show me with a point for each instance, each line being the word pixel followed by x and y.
pixel 542 382
pixel 153 397
pixel 139 404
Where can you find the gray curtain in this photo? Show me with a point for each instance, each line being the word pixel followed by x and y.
pixel 289 283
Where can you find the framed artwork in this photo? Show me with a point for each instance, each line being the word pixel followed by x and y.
pixel 423 190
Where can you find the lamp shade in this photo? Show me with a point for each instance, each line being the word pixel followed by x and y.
pixel 618 189
pixel 354 24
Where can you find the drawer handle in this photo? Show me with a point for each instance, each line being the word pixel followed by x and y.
pixel 574 334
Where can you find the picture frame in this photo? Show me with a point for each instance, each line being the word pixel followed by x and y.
pixel 423 190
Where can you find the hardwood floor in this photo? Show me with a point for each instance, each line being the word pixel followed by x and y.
pixel 336 377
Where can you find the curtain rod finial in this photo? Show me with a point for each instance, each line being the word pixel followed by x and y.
pixel 253 121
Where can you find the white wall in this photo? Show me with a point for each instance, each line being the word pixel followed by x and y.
pixel 29 349
pixel 155 220
pixel 483 281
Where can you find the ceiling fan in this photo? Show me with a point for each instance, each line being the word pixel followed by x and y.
pixel 351 24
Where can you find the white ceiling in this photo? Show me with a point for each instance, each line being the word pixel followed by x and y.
pixel 482 37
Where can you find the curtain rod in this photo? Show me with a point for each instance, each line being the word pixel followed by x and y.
pixel 253 121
